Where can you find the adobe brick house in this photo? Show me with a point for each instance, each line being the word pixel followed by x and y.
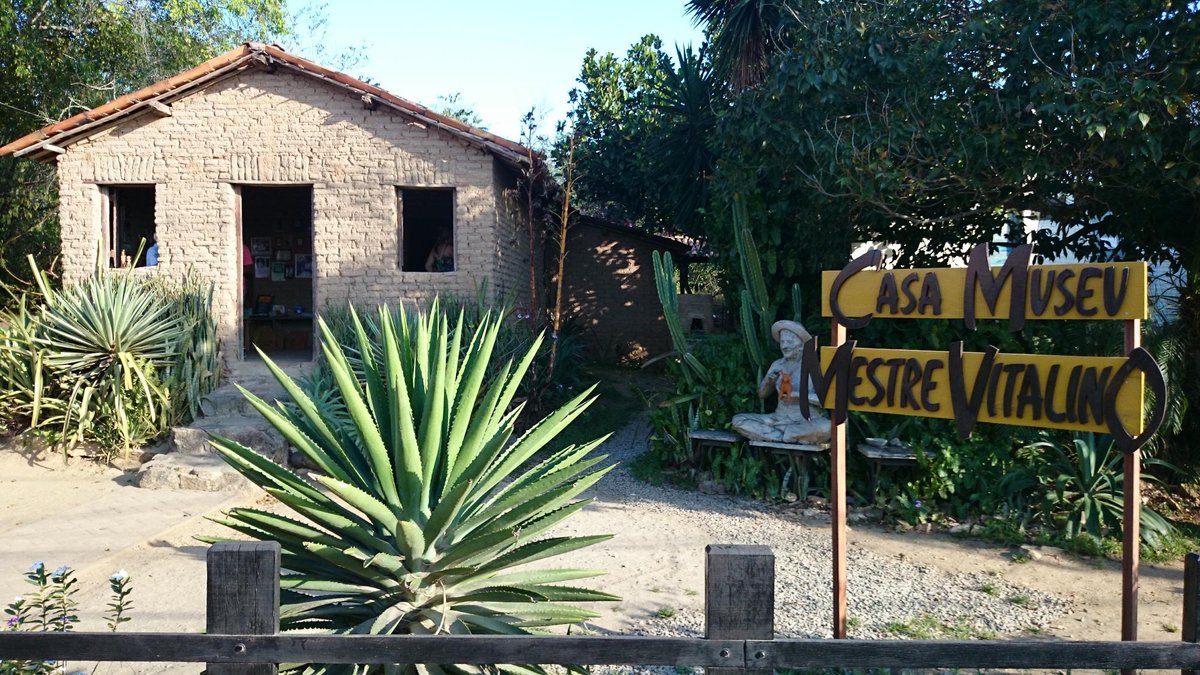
pixel 609 287
pixel 292 187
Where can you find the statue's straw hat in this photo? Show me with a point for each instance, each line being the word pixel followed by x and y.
pixel 791 327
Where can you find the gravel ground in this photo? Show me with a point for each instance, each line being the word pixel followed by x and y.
pixel 888 597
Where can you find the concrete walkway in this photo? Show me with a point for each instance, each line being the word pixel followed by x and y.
pixel 86 535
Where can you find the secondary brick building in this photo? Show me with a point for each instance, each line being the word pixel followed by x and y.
pixel 292 187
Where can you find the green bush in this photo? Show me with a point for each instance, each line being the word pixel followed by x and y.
pixel 423 503
pixel 115 359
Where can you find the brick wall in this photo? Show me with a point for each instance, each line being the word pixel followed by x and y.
pixel 260 128
pixel 609 288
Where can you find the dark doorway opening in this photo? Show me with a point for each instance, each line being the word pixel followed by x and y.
pixel 278 271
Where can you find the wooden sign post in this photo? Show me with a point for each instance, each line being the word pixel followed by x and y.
pixel 1098 394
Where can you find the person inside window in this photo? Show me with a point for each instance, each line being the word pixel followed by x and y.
pixel 441 257
pixel 152 252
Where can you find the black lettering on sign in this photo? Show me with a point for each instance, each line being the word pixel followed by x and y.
pixel 1113 299
pixel 822 380
pixel 1091 394
pixel 1083 292
pixel 912 378
pixel 1139 359
pixel 872 258
pixel 928 384
pixel 894 366
pixel 1051 381
pixel 1039 299
pixel 1031 393
pixel 906 287
pixel 887 296
pixel 966 408
pixel 1014 272
pixel 880 390
pixel 856 379
pixel 992 389
pixel 1073 394
pixel 931 295
pixel 1010 385
pixel 1068 297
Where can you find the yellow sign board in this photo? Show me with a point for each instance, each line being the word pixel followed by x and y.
pixel 1016 291
pixel 1058 392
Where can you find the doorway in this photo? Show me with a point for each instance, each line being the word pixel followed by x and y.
pixel 277 272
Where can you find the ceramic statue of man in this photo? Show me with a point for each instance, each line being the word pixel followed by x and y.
pixel 786 424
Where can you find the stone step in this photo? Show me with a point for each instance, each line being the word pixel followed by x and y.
pixel 173 471
pixel 252 432
pixel 227 400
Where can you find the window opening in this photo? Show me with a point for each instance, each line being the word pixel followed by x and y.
pixel 129 227
pixel 426 229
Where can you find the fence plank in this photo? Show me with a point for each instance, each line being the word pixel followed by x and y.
pixel 243 597
pixel 1191 602
pixel 479 649
pixel 970 654
pixel 739 594
pixel 622 650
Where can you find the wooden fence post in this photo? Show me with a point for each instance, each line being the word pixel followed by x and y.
pixel 1191 601
pixel 243 597
pixel 739 595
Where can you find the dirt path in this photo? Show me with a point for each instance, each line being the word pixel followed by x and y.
pixel 655 561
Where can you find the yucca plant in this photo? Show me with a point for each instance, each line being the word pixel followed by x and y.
pixel 106 338
pixel 423 504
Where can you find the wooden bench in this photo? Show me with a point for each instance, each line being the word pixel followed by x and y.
pixel 703 441
pixel 799 457
pixel 888 455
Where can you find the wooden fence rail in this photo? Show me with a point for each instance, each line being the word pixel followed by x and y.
pixel 243 615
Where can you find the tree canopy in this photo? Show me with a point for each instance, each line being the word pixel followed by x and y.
pixel 926 124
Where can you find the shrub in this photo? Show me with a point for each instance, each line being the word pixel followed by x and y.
pixel 115 359
pixel 425 503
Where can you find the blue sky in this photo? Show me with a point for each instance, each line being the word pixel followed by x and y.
pixel 503 56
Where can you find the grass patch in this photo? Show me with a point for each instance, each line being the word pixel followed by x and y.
pixel 665 612
pixel 649 468
pixel 1021 600
pixel 989 588
pixel 930 627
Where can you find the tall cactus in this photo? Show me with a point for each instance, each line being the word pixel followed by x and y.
pixel 664 282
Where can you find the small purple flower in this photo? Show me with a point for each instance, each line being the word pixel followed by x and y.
pixel 61 570
pixel 37 567
pixel 917 504
pixel 12 621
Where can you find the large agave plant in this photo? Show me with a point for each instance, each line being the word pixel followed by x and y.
pixel 423 504
pixel 106 340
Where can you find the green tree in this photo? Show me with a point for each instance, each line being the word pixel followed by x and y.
pixel 615 117
pixel 60 57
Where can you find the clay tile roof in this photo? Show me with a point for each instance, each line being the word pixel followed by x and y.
pixel 249 55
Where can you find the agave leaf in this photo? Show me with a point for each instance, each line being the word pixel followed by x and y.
pixel 541 549
pixel 405 452
pixel 251 464
pixel 526 513
pixel 366 504
pixel 432 429
pixel 444 513
pixel 570 593
pixel 307 408
pixel 301 441
pixel 323 586
pixel 536 438
pixel 368 432
pixel 540 577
